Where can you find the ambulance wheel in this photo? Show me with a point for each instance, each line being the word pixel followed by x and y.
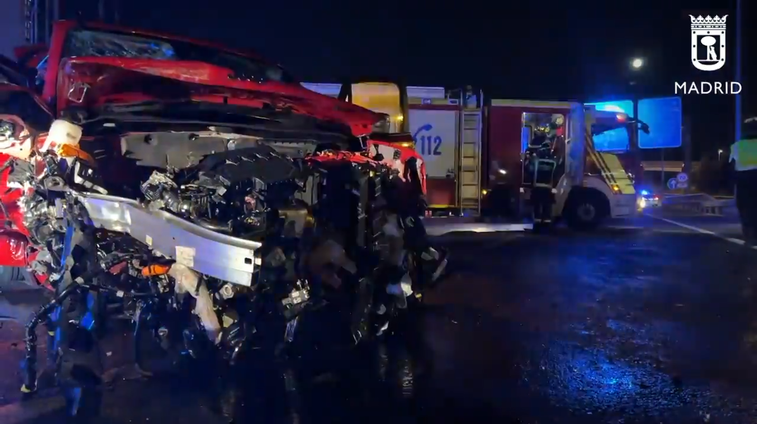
pixel 586 210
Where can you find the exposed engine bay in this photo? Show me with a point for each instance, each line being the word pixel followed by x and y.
pixel 201 196
pixel 214 241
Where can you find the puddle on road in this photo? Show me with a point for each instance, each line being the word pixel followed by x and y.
pixel 586 378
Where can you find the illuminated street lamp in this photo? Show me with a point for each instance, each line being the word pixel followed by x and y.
pixel 636 64
pixel 720 153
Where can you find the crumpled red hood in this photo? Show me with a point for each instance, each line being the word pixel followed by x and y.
pixel 116 80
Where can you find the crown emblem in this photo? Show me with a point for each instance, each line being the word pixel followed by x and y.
pixel 709 22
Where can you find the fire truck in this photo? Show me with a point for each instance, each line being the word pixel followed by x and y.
pixel 473 150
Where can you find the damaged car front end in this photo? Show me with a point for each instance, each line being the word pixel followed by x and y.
pixel 203 193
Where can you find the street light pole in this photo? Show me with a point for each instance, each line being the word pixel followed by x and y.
pixel 636 65
pixel 738 69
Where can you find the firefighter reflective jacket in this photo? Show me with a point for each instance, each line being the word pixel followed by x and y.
pixel 744 153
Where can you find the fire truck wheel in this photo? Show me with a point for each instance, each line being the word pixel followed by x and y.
pixel 586 210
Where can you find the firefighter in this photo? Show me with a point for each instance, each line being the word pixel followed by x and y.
pixel 539 167
pixel 744 157
pixel 407 198
pixel 541 193
pixel 416 239
pixel 406 201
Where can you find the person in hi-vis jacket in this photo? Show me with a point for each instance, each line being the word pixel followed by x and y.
pixel 744 159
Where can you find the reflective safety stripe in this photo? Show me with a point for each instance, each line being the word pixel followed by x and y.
pixel 746 155
pixel 619 174
pixel 612 170
pixel 592 152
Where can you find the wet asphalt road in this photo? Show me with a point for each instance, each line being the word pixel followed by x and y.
pixel 646 322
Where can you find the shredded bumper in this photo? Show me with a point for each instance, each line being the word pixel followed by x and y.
pixel 217 255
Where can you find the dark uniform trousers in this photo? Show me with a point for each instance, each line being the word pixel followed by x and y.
pixel 746 202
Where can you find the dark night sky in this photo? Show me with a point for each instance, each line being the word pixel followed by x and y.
pixel 535 50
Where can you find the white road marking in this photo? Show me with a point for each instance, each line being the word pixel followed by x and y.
pixel 702 231
pixel 625 227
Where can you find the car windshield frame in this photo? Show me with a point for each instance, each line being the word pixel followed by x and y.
pixel 87 42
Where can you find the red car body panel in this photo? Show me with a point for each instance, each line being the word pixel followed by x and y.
pixel 13 248
pixel 31 55
pixel 112 72
pixel 120 80
pixel 10 249
pixel 114 80
pixel 9 197
pixel 14 243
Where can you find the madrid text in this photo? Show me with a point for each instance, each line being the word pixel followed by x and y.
pixel 706 87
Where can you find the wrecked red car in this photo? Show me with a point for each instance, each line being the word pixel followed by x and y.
pixel 164 101
pixel 142 167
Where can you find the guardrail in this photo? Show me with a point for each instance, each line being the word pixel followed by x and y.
pixel 699 203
